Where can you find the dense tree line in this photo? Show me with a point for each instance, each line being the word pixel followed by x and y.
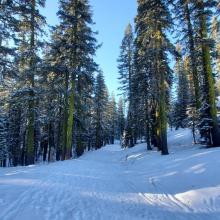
pixel 159 94
pixel 54 101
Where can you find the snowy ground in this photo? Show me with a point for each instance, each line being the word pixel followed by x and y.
pixel 118 184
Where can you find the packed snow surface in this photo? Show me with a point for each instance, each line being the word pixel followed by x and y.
pixel 113 183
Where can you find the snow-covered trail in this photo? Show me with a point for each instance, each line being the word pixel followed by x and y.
pixel 116 184
pixel 92 187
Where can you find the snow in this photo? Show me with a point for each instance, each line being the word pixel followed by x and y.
pixel 218 101
pixel 117 184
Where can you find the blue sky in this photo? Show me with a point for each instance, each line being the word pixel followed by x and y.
pixel 111 18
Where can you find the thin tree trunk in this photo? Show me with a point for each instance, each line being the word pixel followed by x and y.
pixel 51 143
pixel 162 108
pixel 65 117
pixel 59 133
pixel 31 114
pixel 147 127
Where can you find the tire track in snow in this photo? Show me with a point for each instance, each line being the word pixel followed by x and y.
pixel 159 199
pixel 162 202
pixel 19 204
pixel 160 189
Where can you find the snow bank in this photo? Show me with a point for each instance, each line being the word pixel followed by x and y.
pixel 183 185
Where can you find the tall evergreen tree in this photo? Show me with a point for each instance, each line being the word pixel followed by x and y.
pixel 182 102
pixel 152 22
pixel 203 12
pixel 125 63
pixel 8 30
pixel 9 27
pixel 126 77
pixel 183 10
pixel 112 109
pixel 100 103
pixel 31 23
pixel 78 47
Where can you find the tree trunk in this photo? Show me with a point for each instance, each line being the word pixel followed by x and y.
pixel 51 143
pixel 147 126
pixel 70 122
pixel 31 114
pixel 162 106
pixel 209 82
pixel 59 133
pixel 65 117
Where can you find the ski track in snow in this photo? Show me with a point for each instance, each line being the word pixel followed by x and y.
pixel 115 184
pixel 86 188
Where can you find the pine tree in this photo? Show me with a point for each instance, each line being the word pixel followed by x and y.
pixel 31 23
pixel 84 104
pixel 182 102
pixel 9 27
pixel 126 74
pixel 125 63
pixel 8 30
pixel 152 22
pixel 121 118
pixel 192 110
pixel 100 103
pixel 79 47
pixel 112 118
pixel 209 124
pixel 15 134
pixel 183 11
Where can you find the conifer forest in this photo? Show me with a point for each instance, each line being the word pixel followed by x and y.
pixel 54 100
pixel 55 104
